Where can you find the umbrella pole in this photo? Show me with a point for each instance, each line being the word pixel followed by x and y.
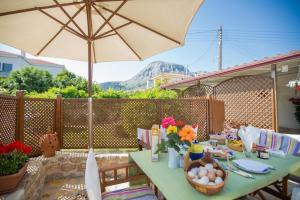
pixel 90 99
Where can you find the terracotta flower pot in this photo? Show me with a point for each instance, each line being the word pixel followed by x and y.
pixel 9 183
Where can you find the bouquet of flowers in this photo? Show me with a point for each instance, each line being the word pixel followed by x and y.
pixel 13 157
pixel 178 134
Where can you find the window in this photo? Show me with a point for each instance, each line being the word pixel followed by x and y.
pixel 1 67
pixel 6 67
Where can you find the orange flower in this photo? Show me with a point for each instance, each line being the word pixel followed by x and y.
pixel 187 133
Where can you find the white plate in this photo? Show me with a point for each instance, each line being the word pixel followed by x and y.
pixel 251 166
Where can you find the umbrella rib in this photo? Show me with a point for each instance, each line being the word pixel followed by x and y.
pixel 136 54
pixel 105 34
pixel 61 29
pixel 38 8
pixel 110 17
pixel 146 27
pixel 71 30
pixel 67 14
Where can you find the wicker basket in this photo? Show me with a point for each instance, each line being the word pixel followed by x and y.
pixel 205 189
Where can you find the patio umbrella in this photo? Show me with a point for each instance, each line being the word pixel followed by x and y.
pixel 95 30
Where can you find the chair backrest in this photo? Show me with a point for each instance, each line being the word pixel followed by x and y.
pixel 279 141
pixel 92 181
pixel 144 138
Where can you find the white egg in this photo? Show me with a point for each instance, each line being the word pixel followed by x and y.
pixel 195 180
pixel 204 180
pixel 192 174
pixel 195 170
pixel 218 180
pixel 209 166
pixel 211 183
pixel 202 168
pixel 220 173
pixel 202 172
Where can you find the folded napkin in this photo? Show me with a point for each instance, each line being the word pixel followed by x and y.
pixel 251 165
pixel 249 135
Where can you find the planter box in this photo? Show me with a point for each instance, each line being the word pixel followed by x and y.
pixel 9 183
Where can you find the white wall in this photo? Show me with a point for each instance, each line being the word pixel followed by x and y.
pixel 286 109
pixel 19 62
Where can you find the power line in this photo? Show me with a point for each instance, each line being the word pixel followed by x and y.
pixel 206 51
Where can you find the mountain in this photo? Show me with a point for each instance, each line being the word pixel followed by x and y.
pixel 139 81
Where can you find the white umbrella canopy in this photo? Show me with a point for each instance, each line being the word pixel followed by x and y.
pixel 120 30
pixel 95 30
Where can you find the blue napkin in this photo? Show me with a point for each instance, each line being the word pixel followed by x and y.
pixel 251 165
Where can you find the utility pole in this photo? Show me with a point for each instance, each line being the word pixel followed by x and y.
pixel 220 47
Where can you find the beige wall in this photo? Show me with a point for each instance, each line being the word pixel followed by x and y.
pixel 286 109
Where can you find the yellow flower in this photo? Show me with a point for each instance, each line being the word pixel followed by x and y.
pixel 171 129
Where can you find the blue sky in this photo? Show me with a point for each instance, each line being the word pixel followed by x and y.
pixel 252 29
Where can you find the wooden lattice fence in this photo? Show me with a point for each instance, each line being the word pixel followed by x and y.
pixel 39 117
pixel 199 90
pixel 8 118
pixel 115 120
pixel 248 99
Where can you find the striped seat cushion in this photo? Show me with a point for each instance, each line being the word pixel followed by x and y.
pixel 279 141
pixel 144 136
pixel 131 193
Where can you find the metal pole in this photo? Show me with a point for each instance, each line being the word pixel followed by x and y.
pixel 90 74
pixel 275 103
pixel 220 48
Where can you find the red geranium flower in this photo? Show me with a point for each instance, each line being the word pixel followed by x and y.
pixel 17 145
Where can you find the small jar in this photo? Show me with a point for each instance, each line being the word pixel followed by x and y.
pixel 263 154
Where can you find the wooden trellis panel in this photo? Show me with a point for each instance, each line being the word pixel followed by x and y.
pixel 197 91
pixel 38 118
pixel 116 120
pixel 248 100
pixel 192 111
pixel 8 110
pixel 75 130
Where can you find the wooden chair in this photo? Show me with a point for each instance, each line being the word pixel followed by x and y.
pixel 127 172
pixel 279 188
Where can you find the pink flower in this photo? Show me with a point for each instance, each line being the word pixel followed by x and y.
pixel 168 121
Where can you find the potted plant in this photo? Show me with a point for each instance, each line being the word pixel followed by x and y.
pixel 13 165
pixel 178 135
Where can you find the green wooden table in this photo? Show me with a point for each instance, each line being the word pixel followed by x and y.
pixel 173 184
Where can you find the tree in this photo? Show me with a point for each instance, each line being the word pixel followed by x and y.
pixel 29 79
pixel 66 78
pixel 154 93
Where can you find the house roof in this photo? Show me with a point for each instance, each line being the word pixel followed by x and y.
pixel 7 54
pixel 238 69
pixel 31 61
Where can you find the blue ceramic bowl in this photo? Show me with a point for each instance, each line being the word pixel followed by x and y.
pixel 196 156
